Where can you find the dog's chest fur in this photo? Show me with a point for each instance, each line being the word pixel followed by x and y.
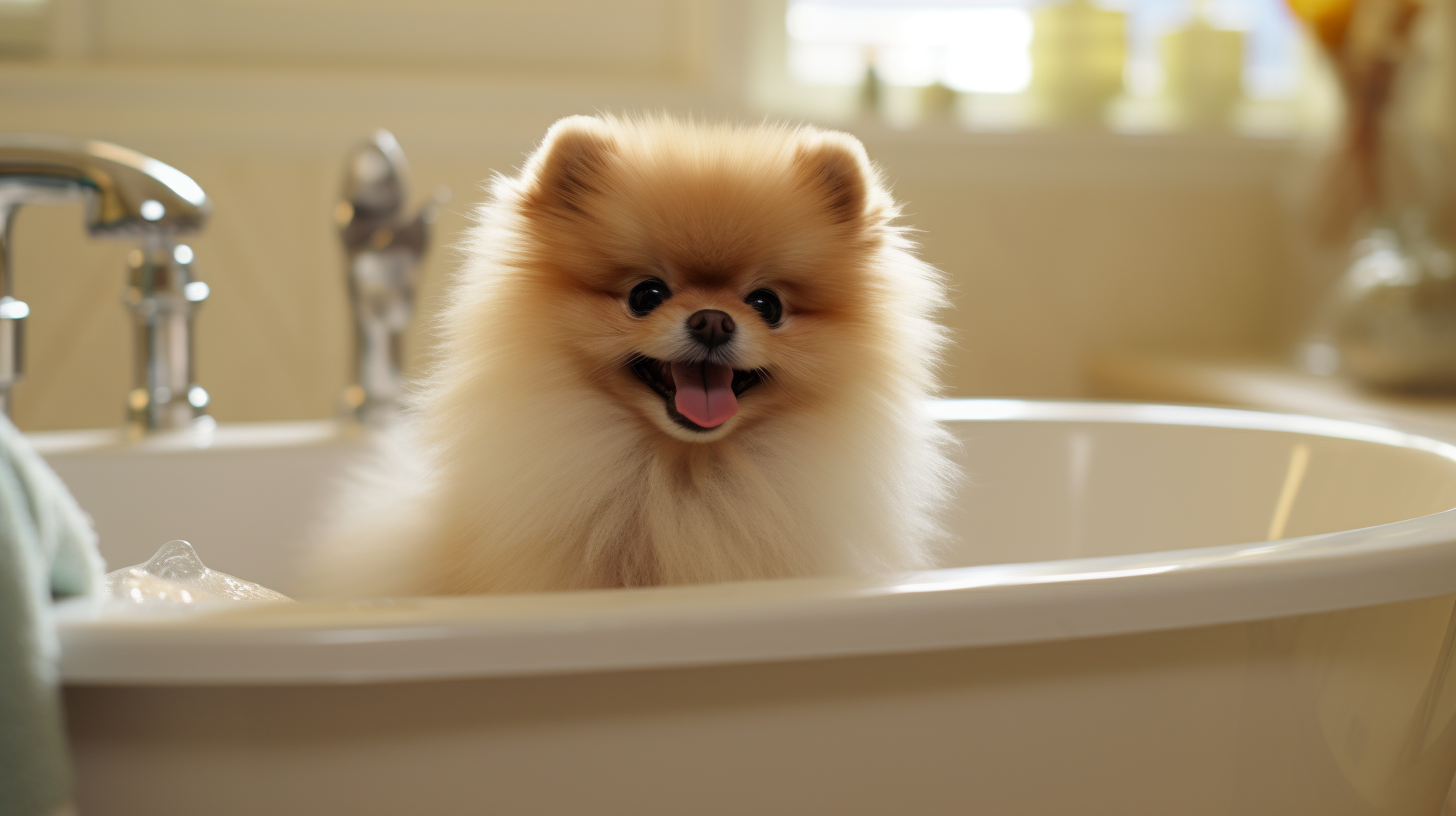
pixel 642 515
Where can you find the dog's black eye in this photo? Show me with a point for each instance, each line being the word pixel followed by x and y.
pixel 647 295
pixel 767 304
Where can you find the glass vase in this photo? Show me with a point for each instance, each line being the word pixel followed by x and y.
pixel 1395 308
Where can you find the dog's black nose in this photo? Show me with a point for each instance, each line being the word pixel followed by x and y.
pixel 711 327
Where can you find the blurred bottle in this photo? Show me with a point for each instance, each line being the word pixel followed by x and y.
pixel 1395 311
pixel 1203 72
pixel 1078 51
pixel 871 88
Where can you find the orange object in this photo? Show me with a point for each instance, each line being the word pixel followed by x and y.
pixel 1329 20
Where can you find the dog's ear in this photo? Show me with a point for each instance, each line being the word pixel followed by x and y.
pixel 835 165
pixel 568 167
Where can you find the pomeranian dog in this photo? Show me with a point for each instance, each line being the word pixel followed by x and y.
pixel 676 353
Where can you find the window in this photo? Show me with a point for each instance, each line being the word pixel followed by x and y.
pixel 1132 65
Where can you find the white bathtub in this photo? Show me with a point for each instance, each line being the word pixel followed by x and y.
pixel 1129 642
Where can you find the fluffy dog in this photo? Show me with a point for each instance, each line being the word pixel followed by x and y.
pixel 676 353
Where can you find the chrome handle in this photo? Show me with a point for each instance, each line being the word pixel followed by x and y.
pixel 383 249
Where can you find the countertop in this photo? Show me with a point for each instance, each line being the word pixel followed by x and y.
pixel 1263 381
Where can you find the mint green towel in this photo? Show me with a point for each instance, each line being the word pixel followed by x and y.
pixel 47 550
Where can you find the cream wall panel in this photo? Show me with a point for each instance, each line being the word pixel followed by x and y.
pixel 650 37
pixel 1059 246
pixel 1044 275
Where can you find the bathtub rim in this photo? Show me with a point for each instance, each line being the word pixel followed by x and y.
pixel 607 630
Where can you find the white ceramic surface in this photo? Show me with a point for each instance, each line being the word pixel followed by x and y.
pixel 1115 619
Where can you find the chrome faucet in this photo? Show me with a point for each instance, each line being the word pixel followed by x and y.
pixel 128 195
pixel 383 249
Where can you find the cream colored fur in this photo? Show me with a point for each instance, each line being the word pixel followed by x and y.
pixel 533 459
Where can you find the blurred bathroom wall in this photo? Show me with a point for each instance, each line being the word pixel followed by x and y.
pixel 1059 241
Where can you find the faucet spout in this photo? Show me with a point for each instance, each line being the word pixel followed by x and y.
pixel 127 195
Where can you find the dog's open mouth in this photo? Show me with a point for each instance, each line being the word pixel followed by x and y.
pixel 699 396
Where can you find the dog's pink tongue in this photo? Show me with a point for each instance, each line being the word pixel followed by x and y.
pixel 705 393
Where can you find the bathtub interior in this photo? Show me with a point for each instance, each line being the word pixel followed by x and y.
pixel 1038 491
pixel 1035 490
